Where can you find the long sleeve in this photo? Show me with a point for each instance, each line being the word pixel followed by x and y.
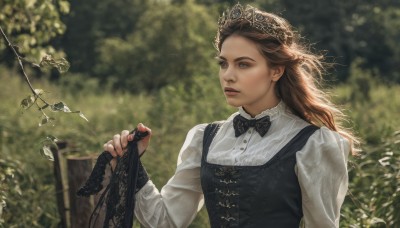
pixel 323 178
pixel 180 199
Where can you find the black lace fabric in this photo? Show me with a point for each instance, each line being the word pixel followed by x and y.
pixel 128 178
pixel 117 197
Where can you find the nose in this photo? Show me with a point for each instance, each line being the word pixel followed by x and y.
pixel 228 74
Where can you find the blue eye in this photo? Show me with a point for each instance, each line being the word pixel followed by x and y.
pixel 243 65
pixel 223 64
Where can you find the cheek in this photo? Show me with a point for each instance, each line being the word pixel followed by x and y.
pixel 257 79
pixel 220 78
pixel 258 84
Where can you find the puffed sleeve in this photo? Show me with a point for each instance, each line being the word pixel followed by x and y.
pixel 323 178
pixel 180 199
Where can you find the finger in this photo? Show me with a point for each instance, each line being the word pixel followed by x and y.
pixel 105 146
pixel 124 139
pixel 143 128
pixel 110 148
pixel 146 140
pixel 117 144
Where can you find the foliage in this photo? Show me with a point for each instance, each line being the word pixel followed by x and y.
pixel 167 46
pixel 88 27
pixel 129 48
pixel 340 27
pixel 20 140
pixel 24 191
pixel 374 194
pixel 7 177
pixel 37 97
pixel 363 97
pixel 32 24
pixel 373 107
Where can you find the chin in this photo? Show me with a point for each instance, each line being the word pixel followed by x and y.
pixel 233 103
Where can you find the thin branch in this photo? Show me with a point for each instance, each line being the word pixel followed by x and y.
pixel 20 59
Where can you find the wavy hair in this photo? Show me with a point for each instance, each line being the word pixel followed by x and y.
pixel 299 86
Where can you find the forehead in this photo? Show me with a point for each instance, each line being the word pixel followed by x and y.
pixel 236 46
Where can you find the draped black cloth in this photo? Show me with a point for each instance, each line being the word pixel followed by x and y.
pixel 119 195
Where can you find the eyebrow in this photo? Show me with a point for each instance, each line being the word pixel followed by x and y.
pixel 237 59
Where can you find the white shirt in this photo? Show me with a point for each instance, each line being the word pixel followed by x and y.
pixel 321 168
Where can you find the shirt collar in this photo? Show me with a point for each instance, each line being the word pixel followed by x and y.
pixel 272 112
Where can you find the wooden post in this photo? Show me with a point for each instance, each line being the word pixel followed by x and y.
pixel 70 175
pixel 59 187
pixel 79 169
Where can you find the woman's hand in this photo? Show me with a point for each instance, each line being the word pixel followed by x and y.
pixel 117 145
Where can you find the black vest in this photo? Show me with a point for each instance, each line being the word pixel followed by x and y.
pixel 268 195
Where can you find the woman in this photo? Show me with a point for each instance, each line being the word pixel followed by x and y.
pixel 279 159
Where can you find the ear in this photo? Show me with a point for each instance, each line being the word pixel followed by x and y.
pixel 277 72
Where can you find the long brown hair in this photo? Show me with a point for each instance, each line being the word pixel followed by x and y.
pixel 299 86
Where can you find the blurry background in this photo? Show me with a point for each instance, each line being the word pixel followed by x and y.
pixel 152 61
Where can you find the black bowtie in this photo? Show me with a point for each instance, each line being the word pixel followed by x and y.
pixel 241 125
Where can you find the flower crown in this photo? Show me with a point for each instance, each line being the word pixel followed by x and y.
pixel 265 24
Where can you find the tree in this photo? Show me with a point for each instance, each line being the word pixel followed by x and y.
pixel 92 21
pixel 171 42
pixel 31 25
pixel 348 30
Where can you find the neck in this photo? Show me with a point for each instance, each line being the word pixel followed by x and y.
pixel 254 111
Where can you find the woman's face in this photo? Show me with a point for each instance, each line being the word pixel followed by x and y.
pixel 245 76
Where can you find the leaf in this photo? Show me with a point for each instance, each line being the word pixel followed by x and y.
pixel 376 220
pixel 61 64
pixel 9 172
pixel 46 152
pixel 60 107
pixel 64 7
pixel 39 92
pixel 45 119
pixel 81 115
pixel 48 143
pixel 384 161
pixel 30 3
pixel 28 102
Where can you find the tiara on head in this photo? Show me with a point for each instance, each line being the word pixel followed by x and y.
pixel 267 25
